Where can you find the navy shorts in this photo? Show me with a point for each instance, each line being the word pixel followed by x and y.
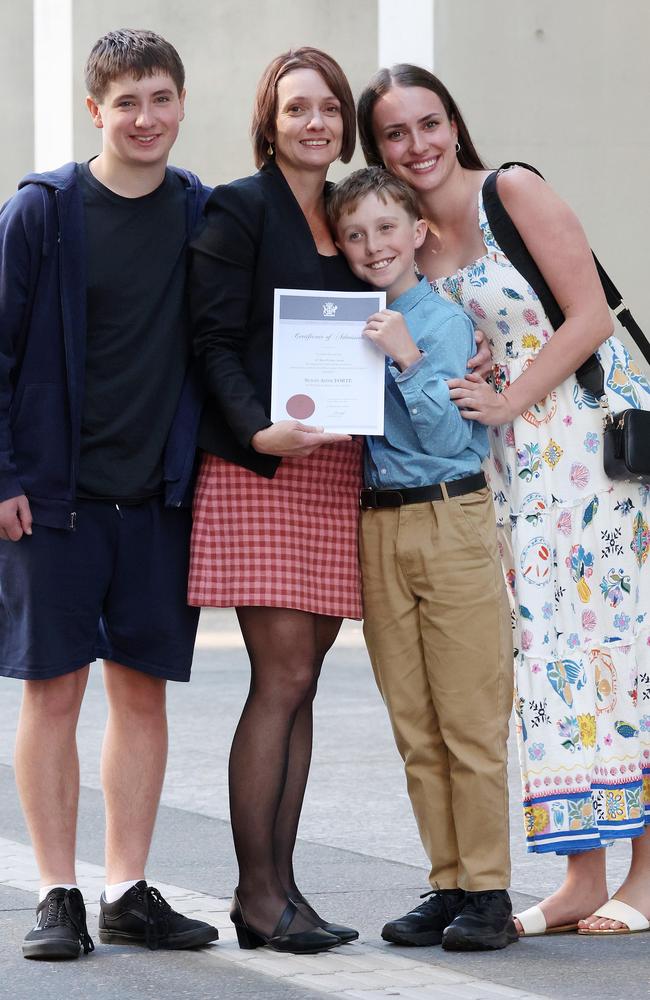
pixel 114 588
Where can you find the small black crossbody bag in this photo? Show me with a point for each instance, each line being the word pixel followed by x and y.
pixel 626 448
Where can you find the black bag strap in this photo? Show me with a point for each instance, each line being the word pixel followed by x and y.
pixel 589 374
pixel 507 236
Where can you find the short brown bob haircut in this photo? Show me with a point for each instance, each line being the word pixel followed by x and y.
pixel 406 75
pixel 265 109
pixel 344 197
pixel 130 52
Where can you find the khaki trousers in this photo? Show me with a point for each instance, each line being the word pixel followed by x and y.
pixel 437 626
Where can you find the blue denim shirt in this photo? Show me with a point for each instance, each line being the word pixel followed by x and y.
pixel 425 438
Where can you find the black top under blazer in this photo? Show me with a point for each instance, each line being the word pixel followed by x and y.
pixel 254 239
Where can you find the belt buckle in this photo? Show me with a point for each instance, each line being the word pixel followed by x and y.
pixel 371 499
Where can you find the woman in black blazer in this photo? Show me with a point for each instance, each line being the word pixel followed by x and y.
pixel 276 506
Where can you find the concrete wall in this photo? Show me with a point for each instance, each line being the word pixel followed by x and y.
pixel 564 86
pixel 225 47
pixel 561 84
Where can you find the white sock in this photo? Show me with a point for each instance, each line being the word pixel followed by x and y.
pixel 113 892
pixel 43 891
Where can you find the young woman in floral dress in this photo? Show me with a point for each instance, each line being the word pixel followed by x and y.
pixel 575 544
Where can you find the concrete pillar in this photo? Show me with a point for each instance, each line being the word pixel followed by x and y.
pixel 53 120
pixel 406 32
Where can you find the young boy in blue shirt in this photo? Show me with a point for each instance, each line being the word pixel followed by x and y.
pixel 436 614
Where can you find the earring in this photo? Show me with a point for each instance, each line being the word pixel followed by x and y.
pixel 458 147
pixel 270 149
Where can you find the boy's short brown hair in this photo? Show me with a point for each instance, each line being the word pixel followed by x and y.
pixel 132 52
pixel 345 196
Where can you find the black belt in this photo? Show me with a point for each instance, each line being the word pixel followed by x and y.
pixel 372 499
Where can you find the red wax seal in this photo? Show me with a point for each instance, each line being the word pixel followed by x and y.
pixel 300 407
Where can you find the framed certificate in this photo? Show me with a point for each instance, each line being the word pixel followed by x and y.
pixel 325 372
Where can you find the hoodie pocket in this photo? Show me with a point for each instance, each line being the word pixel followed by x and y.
pixel 41 440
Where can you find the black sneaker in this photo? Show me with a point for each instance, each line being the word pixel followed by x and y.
pixel 484 924
pixel 142 916
pixel 425 924
pixel 60 930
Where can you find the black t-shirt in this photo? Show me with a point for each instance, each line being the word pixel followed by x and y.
pixel 137 345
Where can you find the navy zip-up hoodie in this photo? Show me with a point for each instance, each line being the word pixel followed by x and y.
pixel 43 346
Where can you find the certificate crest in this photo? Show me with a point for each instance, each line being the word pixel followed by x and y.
pixel 329 310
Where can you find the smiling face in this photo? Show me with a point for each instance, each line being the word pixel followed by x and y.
pixel 308 126
pixel 140 119
pixel 416 139
pixel 379 239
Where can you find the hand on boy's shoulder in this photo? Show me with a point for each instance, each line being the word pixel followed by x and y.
pixel 388 330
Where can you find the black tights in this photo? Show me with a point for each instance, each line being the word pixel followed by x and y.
pixel 271 754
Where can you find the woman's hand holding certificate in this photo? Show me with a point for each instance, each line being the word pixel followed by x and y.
pixel 291 439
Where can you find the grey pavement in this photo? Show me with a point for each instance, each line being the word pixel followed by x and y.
pixel 358 858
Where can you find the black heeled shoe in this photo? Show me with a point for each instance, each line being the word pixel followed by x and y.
pixel 300 943
pixel 343 933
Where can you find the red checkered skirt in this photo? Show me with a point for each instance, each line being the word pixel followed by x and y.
pixel 286 542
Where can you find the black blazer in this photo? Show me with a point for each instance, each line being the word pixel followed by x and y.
pixel 255 238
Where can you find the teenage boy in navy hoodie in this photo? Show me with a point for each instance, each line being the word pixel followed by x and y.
pixel 98 418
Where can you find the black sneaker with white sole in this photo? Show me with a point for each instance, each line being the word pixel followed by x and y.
pixel 142 916
pixel 60 930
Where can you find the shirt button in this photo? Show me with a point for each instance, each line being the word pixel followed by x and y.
pixel 383 472
pixel 414 410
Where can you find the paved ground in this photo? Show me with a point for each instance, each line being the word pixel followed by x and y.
pixel 359 859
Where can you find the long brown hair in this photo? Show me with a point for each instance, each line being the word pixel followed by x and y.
pixel 407 75
pixel 266 98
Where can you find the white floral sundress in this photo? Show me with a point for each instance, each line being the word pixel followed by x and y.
pixel 575 550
